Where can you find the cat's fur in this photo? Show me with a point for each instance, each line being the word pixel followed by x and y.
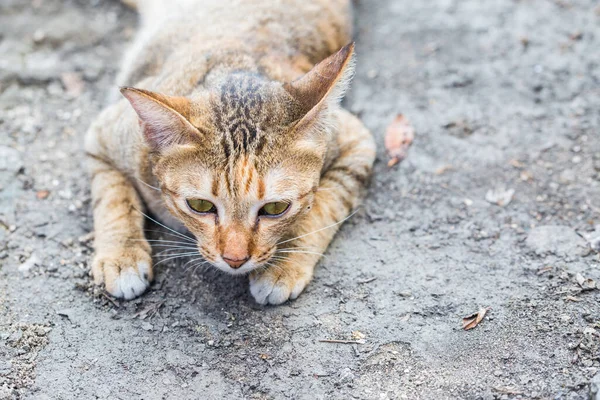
pixel 225 107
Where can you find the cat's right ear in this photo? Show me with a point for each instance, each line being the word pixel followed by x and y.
pixel 323 85
pixel 164 119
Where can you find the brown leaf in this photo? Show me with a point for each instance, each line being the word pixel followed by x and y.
pixel 471 321
pixel 443 169
pixel 42 194
pixel 398 138
pixel 586 284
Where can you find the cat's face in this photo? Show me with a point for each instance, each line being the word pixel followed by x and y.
pixel 241 209
pixel 239 163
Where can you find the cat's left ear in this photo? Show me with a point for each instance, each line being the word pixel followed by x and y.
pixel 325 84
pixel 164 119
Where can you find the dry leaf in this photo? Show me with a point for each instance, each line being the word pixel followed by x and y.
pixel 357 335
pixel 572 298
pixel 544 270
pixel 443 169
pixel 526 176
pixel 499 196
pixel 586 284
pixel 42 194
pixel 516 163
pixel 398 138
pixel 471 321
pixel 73 83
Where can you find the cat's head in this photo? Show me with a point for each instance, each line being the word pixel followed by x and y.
pixel 240 162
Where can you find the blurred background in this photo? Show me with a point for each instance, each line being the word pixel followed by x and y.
pixel 497 205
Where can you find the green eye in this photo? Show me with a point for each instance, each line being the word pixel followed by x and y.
pixel 201 206
pixel 274 209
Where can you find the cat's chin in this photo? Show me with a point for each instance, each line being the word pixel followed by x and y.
pixel 245 269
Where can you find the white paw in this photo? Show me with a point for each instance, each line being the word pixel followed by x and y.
pixel 131 282
pixel 125 275
pixel 267 290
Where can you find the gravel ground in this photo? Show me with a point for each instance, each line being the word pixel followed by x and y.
pixel 504 96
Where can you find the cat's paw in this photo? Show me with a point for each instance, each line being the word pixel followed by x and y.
pixel 274 287
pixel 126 273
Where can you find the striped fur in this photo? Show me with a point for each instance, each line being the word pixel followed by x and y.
pixel 228 106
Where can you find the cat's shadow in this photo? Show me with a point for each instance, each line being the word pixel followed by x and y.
pixel 182 276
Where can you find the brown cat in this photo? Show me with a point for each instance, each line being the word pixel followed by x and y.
pixel 229 134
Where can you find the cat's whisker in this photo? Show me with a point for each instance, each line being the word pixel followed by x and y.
pixel 195 264
pixel 164 233
pixel 181 254
pixel 161 241
pixel 174 257
pixel 147 184
pixel 202 264
pixel 174 246
pixel 298 248
pixel 302 252
pixel 175 249
pixel 181 235
pixel 319 230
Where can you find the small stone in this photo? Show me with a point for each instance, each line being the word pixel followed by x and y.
pixel 346 376
pixel 39 36
pixel 500 196
pixel 29 263
pixel 42 330
pixel 372 73
pixel 147 326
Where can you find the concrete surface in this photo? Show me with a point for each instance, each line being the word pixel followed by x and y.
pixel 503 94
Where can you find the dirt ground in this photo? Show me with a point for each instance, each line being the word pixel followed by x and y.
pixel 504 96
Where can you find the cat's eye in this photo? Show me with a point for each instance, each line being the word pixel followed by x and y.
pixel 201 206
pixel 274 209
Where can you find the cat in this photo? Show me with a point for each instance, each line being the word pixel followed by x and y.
pixel 231 131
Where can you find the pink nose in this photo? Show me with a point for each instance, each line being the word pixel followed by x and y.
pixel 235 264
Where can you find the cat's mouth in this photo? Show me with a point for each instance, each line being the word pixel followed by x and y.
pixel 263 260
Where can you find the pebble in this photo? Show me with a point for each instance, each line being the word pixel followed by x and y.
pixel 147 326
pixel 29 263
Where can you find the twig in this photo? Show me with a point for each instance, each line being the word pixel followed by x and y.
pixel 107 297
pixel 342 341
pixel 507 391
pixel 366 280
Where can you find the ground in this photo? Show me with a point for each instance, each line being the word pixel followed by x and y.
pixel 503 95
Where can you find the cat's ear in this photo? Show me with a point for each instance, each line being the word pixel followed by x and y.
pixel 324 84
pixel 164 119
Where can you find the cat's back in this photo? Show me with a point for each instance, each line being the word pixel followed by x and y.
pixel 185 30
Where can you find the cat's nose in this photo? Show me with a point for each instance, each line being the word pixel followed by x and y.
pixel 235 264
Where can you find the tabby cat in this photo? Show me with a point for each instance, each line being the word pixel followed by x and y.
pixel 232 131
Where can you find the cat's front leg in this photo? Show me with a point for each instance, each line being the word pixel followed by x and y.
pixel 122 259
pixel 291 268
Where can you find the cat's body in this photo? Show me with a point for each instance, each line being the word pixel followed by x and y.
pixel 233 128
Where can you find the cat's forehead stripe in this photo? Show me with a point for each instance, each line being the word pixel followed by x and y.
pixel 239 112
